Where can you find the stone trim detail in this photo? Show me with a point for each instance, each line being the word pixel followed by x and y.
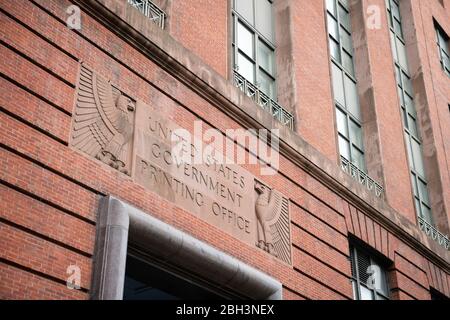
pixel 120 224
pixel 103 121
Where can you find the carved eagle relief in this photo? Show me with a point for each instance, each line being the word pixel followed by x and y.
pixel 103 121
pixel 272 216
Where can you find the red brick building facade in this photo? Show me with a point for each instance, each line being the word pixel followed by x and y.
pixel 51 188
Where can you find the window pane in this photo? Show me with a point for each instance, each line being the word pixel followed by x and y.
pixel 351 97
pixel 441 39
pixel 335 50
pixel 333 27
pixel 341 122
pixel 264 18
pixel 409 103
pixel 358 159
pixel 417 155
pixel 246 68
pixel 382 288
pixel 344 17
pixel 445 48
pixel 366 294
pixel 338 86
pixel 245 8
pixel 397 27
pixel 395 10
pixel 346 40
pixel 426 214
pixel 245 40
pixel 417 206
pixel 407 85
pixel 423 192
pixel 344 148
pixel 404 117
pixel 347 61
pixel 331 6
pixel 266 57
pixel 412 126
pixel 401 51
pixel 446 61
pixel 356 134
pixel 266 84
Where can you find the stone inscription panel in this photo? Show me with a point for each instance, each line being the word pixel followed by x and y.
pixel 225 195
pixel 221 194
pixel 135 139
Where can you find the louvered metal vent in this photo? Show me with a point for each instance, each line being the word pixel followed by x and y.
pixel 363 265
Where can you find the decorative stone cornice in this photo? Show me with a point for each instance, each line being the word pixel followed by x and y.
pixel 156 44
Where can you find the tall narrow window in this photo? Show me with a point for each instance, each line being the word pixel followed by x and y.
pixel 253 43
pixel 409 115
pixel 369 277
pixel 348 110
pixel 443 47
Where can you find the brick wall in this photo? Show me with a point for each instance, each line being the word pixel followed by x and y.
pixel 49 198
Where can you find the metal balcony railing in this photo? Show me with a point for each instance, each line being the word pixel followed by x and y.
pixel 263 100
pixel 361 177
pixel 434 233
pixel 150 10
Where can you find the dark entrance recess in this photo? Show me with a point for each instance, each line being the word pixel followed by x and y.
pixel 144 281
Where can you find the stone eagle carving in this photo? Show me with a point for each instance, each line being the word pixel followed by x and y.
pixel 272 216
pixel 103 123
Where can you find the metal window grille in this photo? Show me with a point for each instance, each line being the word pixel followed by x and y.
pixel 263 100
pixel 433 233
pixel 362 177
pixel 150 10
